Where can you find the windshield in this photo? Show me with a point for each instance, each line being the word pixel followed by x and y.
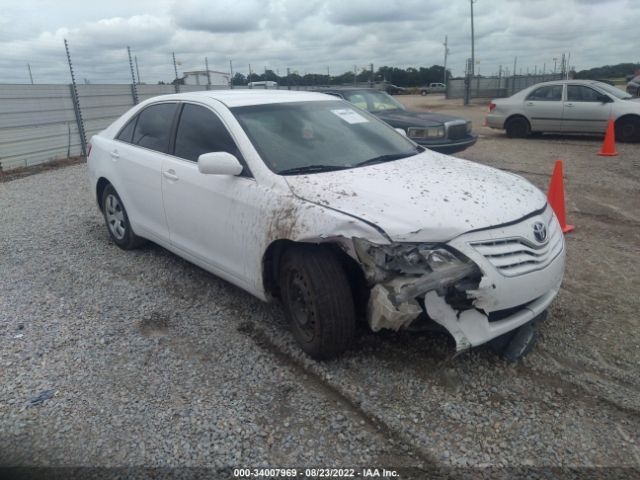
pixel 616 92
pixel 308 137
pixel 373 100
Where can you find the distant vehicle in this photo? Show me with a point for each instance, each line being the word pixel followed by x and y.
pixel 433 88
pixel 633 87
pixel 435 131
pixel 392 89
pixel 567 106
pixel 267 84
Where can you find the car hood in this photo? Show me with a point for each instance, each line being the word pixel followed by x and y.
pixel 428 197
pixel 406 118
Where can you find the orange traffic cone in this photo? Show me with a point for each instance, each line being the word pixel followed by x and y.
pixel 609 146
pixel 556 196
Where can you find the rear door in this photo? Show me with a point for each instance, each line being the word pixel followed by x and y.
pixel 543 107
pixel 584 111
pixel 139 151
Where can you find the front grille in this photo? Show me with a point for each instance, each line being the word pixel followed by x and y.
pixel 519 256
pixel 455 132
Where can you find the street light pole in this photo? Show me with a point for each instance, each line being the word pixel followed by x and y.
pixel 446 53
pixel 473 42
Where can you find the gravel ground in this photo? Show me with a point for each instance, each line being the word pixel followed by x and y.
pixel 152 361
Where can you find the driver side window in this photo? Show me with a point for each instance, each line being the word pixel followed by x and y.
pixel 201 131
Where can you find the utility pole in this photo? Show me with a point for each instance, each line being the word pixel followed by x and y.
pixel 473 42
pixel 288 78
pixel 135 59
pixel 175 69
pixel 371 79
pixel 231 73
pixel 355 74
pixel 470 62
pixel 446 53
pixel 249 82
pixel 515 62
pixel 206 65
pixel 265 77
pixel 30 75
pixel 555 64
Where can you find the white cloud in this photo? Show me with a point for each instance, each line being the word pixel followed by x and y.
pixel 307 35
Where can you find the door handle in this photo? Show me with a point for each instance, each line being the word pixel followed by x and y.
pixel 529 104
pixel 115 155
pixel 170 175
pixel 568 104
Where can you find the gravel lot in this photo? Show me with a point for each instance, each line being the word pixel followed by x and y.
pixel 152 361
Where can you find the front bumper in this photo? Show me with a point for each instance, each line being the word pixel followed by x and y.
pixel 520 277
pixel 446 145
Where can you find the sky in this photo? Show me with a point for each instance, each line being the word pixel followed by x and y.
pixel 308 36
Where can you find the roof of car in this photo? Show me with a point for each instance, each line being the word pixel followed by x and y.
pixel 246 97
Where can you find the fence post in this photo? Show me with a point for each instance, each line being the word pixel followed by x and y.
pixel 134 90
pixel 76 104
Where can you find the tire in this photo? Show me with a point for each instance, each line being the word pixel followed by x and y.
pixel 517 127
pixel 317 301
pixel 423 93
pixel 117 221
pixel 628 129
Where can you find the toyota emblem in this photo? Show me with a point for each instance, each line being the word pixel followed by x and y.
pixel 540 232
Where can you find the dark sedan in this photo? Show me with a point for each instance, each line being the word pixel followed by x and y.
pixel 435 131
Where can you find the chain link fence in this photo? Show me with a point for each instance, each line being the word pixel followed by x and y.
pixel 496 87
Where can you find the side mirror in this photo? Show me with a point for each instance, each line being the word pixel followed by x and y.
pixel 604 98
pixel 401 131
pixel 219 163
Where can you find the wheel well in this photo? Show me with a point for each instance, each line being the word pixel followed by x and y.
pixel 102 184
pixel 355 275
pixel 627 116
pixel 514 116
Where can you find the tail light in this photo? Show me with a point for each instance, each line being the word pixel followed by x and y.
pixel 492 106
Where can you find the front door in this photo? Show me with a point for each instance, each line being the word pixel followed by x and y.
pixel 584 111
pixel 208 214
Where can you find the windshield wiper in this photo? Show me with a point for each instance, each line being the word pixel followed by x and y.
pixel 311 169
pixel 387 158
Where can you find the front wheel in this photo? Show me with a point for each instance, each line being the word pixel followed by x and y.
pixel 117 220
pixel 317 301
pixel 628 129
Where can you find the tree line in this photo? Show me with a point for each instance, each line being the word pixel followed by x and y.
pixel 409 77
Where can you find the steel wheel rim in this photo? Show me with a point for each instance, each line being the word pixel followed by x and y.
pixel 299 306
pixel 114 213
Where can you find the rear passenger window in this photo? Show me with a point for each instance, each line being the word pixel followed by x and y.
pixel 153 128
pixel 201 131
pixel 550 93
pixel 127 132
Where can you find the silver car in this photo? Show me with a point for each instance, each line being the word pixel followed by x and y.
pixel 567 106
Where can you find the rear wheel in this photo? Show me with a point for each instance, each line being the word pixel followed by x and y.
pixel 423 92
pixel 628 129
pixel 317 301
pixel 117 220
pixel 517 127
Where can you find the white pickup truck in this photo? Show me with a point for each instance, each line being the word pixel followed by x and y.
pixel 433 88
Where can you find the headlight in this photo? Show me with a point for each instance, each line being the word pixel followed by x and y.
pixel 424 266
pixel 428 132
pixel 385 261
pixel 469 127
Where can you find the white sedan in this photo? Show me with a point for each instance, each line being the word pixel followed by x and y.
pixel 567 106
pixel 303 197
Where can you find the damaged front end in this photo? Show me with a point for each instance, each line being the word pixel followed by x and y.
pixel 401 275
